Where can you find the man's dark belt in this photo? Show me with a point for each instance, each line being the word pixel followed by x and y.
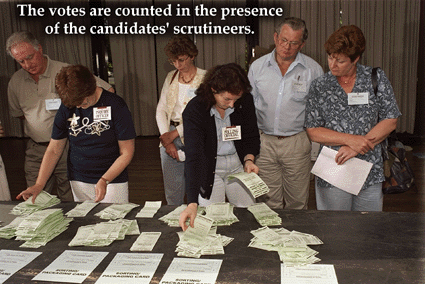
pixel 282 137
pixel 174 123
pixel 278 137
pixel 45 144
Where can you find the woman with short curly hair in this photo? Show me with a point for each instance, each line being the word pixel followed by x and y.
pixel 344 113
pixel 178 89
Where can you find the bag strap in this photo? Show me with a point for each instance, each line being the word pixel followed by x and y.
pixel 174 76
pixel 375 79
pixel 384 143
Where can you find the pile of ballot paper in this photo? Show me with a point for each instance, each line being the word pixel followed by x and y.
pixel 43 200
pixel 221 213
pixel 252 182
pixel 172 218
pixel 264 215
pixel 149 210
pixel 9 231
pixel 103 234
pixel 202 239
pixel 292 246
pixel 81 210
pixel 38 228
pixel 116 211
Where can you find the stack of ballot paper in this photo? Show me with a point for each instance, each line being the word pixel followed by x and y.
pixel 264 215
pixel 172 218
pixel 150 209
pixel 221 213
pixel 81 210
pixel 9 231
pixel 116 211
pixel 253 183
pixel 36 229
pixel 292 246
pixel 103 234
pixel 201 239
pixel 43 200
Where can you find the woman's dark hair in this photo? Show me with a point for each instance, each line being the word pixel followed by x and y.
pixel 74 83
pixel 223 78
pixel 180 45
pixel 347 40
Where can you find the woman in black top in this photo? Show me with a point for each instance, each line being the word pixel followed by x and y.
pixel 221 138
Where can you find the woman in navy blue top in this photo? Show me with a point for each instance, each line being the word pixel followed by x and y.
pixel 100 131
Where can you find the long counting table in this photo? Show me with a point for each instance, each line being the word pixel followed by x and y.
pixel 364 247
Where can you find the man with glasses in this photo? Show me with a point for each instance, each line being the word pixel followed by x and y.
pixel 33 98
pixel 280 81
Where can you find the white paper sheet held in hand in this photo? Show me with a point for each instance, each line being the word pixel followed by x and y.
pixel 349 176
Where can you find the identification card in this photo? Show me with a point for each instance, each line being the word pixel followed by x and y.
pixel 232 133
pixel 102 113
pixel 53 104
pixel 299 86
pixel 358 98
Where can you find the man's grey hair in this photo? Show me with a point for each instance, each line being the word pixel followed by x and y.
pixel 295 24
pixel 18 37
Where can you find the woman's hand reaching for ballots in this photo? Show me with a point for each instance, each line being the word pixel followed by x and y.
pixel 190 212
pixel 31 191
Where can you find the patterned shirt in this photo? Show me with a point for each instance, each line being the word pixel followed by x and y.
pixel 327 106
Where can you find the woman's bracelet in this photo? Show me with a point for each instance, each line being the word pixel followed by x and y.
pixel 248 160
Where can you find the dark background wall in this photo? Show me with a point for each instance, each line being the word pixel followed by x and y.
pixel 420 101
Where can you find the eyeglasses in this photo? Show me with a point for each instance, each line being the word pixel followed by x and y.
pixel 284 41
pixel 179 60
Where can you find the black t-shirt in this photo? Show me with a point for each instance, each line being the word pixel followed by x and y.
pixel 93 145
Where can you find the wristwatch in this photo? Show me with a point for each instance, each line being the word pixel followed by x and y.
pixel 105 180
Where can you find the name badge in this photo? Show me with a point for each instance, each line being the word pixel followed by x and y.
pixel 298 86
pixel 53 104
pixel 102 113
pixel 232 133
pixel 358 98
pixel 191 93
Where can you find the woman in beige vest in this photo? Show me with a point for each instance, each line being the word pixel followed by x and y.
pixel 178 89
